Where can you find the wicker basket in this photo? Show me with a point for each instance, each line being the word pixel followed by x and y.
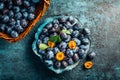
pixel 41 8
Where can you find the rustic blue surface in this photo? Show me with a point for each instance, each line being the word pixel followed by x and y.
pixel 18 62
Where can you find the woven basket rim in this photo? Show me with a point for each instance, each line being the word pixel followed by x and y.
pixel 40 10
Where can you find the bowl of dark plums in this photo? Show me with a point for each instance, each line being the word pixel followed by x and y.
pixel 19 16
pixel 61 43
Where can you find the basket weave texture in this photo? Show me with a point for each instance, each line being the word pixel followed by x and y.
pixel 39 12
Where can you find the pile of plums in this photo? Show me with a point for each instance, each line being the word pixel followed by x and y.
pixel 15 15
pixel 78 34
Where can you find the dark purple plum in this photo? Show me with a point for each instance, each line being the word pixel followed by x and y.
pixel 64 64
pixel 75 34
pixel 78 42
pixel 23 23
pixel 85 41
pixel 63 45
pixel 11 14
pixel 31 9
pixel 50 55
pixel 31 16
pixel 19 28
pixel 26 3
pixel 70 61
pixel 18 16
pixel 5 18
pixel 16 8
pixel 69 53
pixel 14 34
pixel 2 27
pixel 86 31
pixel 48 26
pixel 57 64
pixel 90 55
pixel 76 57
pixel 81 53
pixel 1 6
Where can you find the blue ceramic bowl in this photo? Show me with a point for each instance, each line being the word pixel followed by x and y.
pixel 35 48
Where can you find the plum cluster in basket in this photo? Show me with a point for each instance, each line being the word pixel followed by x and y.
pixel 63 42
pixel 15 15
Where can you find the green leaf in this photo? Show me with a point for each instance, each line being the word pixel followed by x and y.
pixel 53 38
pixel 43 46
pixel 59 39
pixel 66 31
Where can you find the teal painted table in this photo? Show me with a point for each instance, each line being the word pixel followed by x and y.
pixel 102 17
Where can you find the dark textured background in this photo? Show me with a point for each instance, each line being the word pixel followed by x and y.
pixel 102 17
